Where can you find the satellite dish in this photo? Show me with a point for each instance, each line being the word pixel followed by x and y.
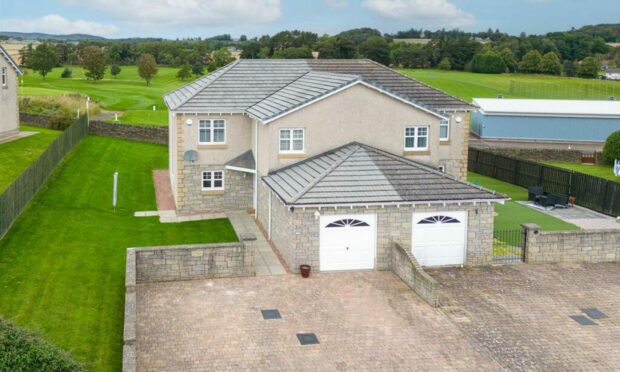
pixel 190 155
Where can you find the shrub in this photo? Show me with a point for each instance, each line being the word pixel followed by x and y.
pixel 61 122
pixel 25 351
pixel 611 151
pixel 57 105
pixel 445 64
pixel 115 70
pixel 66 73
pixel 488 63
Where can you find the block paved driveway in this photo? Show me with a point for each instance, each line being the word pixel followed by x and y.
pixel 521 313
pixel 364 321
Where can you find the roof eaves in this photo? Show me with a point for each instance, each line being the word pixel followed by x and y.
pixel 10 60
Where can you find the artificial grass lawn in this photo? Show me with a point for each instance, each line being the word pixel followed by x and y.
pixel 16 156
pixel 468 85
pixel 62 265
pixel 511 215
pixel 126 93
pixel 597 170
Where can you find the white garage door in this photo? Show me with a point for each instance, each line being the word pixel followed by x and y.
pixel 439 238
pixel 347 242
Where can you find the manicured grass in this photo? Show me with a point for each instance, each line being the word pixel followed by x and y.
pixel 126 93
pixel 17 155
pixel 62 265
pixel 468 85
pixel 511 215
pixel 598 170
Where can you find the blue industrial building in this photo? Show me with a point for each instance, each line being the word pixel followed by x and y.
pixel 545 120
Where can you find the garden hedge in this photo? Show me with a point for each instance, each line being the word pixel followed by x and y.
pixel 611 151
pixel 24 351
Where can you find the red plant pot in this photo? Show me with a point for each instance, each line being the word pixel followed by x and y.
pixel 305 270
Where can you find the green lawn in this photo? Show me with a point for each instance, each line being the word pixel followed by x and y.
pixel 598 170
pixel 467 85
pixel 126 93
pixel 17 155
pixel 62 265
pixel 511 215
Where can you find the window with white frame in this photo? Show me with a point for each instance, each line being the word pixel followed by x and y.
pixel 292 140
pixel 5 77
pixel 416 138
pixel 212 131
pixel 213 180
pixel 444 130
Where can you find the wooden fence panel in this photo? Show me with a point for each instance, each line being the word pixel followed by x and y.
pixel 17 196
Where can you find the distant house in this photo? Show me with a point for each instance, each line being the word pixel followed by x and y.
pixel 545 123
pixel 9 111
pixel 612 74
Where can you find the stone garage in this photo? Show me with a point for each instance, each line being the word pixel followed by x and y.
pixel 343 209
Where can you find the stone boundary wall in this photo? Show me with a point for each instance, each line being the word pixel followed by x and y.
pixel 571 246
pixel 170 263
pixel 143 133
pixel 407 268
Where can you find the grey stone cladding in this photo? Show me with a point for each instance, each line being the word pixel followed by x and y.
pixel 237 193
pixel 297 232
pixel 169 263
pixel 407 268
pixel 571 246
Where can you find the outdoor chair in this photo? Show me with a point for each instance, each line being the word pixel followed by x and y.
pixel 534 192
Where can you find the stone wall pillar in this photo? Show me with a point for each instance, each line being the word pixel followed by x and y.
pixel 530 231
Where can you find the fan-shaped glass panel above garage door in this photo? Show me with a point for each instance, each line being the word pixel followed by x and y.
pixel 438 239
pixel 347 242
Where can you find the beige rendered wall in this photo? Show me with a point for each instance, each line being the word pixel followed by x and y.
pixel 9 111
pixel 365 115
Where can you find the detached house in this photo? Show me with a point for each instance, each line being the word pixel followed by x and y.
pixel 337 159
pixel 9 111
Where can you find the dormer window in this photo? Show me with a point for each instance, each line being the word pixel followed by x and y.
pixel 212 132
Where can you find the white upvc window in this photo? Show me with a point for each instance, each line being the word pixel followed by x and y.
pixel 292 140
pixel 212 131
pixel 5 77
pixel 213 180
pixel 416 138
pixel 444 130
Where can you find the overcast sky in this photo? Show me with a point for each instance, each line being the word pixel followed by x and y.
pixel 192 18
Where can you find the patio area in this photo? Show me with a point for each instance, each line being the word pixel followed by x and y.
pixel 584 218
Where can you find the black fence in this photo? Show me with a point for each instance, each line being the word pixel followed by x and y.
pixel 17 196
pixel 508 246
pixel 591 192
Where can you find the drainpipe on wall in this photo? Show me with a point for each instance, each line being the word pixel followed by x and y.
pixel 269 219
pixel 255 196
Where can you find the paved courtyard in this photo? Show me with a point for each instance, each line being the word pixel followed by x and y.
pixel 363 321
pixel 522 313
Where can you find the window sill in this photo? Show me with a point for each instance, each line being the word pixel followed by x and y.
pixel 444 142
pixel 291 155
pixel 212 192
pixel 416 152
pixel 215 146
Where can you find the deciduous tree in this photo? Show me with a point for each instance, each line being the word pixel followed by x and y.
pixel 530 63
pixel 94 61
pixel 43 59
pixel 550 64
pixel 147 67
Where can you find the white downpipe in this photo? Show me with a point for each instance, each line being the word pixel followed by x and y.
pixel 269 218
pixel 255 196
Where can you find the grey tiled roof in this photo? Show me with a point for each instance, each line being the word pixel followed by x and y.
pixel 305 89
pixel 243 85
pixel 245 160
pixel 359 174
pixel 10 60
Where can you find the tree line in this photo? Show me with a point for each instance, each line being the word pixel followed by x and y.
pixel 571 53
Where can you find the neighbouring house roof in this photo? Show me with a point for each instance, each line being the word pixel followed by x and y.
pixel 548 107
pixel 266 86
pixel 244 161
pixel 361 174
pixel 612 70
pixel 10 60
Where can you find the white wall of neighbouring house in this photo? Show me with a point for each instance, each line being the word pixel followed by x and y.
pixel 9 111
